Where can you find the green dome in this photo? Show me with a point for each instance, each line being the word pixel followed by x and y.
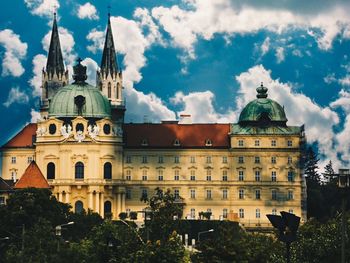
pixel 79 99
pixel 263 108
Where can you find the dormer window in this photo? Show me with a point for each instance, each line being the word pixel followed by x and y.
pixel 177 142
pixel 208 142
pixel 144 142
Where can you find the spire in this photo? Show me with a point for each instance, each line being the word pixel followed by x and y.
pixel 262 91
pixel 109 63
pixel 55 59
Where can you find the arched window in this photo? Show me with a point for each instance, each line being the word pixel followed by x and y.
pixel 107 171
pixel 79 170
pixel 79 207
pixel 108 209
pixel 50 171
pixel 109 90
pixel 118 91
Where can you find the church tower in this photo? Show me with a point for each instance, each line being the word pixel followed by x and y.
pixel 54 76
pixel 109 78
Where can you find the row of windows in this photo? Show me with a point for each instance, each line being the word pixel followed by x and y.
pixel 257 143
pixel 79 207
pixel 14 159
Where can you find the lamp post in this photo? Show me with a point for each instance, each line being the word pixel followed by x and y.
pixel 203 232
pixel 58 230
pixel 343 183
pixel 287 225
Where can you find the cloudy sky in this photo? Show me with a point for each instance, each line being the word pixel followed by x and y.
pixel 200 57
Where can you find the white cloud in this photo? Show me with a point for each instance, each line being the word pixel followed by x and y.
pixel 15 51
pixel 16 96
pixel 91 70
pixel 97 39
pixel 265 47
pixel 87 11
pixel 42 7
pixel 35 116
pixel 345 81
pixel 330 78
pixel 39 63
pixel 280 54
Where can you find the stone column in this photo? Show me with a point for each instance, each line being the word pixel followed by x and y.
pixel 97 202
pixel 67 197
pixel 122 195
pixel 119 206
pixel 90 201
pixel 60 197
pixel 102 205
pixel 115 206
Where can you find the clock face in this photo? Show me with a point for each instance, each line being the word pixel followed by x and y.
pixel 107 129
pixel 52 129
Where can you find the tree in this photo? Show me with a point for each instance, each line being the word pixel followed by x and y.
pixel 329 173
pixel 311 167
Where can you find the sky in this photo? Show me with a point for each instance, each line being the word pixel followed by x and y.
pixel 198 57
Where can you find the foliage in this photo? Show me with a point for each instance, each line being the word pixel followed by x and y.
pixel 133 215
pixel 123 215
pixel 205 215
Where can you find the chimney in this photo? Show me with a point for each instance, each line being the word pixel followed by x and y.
pixel 185 119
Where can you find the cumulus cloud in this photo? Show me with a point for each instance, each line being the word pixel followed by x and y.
pixel 280 54
pixel 87 11
pixel 91 68
pixel 15 51
pixel 35 116
pixel 42 7
pixel 265 47
pixel 16 96
pixel 39 62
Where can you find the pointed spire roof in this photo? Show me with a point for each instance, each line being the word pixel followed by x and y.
pixel 32 177
pixel 55 58
pixel 109 63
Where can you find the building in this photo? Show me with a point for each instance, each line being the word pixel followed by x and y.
pixel 93 160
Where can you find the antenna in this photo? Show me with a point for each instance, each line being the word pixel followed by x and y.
pixel 109 10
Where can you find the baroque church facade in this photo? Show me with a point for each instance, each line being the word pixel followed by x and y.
pixel 92 159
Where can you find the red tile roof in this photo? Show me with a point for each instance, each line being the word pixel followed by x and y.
pixel 163 135
pixel 32 177
pixel 24 138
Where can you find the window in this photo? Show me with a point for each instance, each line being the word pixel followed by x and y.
pixel 192 159
pixel 257 213
pixel 176 176
pixel 30 159
pixel 208 159
pixel 224 175
pixel 79 207
pixel 273 143
pixel 193 175
pixel 240 175
pixel 240 143
pixel 274 194
pixel 291 211
pixel 224 193
pixel 290 195
pixel 241 213
pixel 257 176
pixel 273 176
pixel 273 159
pixel 176 142
pixel 13 159
pixel 257 194
pixel 208 194
pixel 208 142
pixel 176 159
pixel 160 159
pixel 160 175
pixel 2 200
pixel 241 194
pixel 144 142
pixel 50 173
pixel 193 193
pixel 79 170
pixel 13 176
pixel 177 193
pixel 224 159
pixel 128 159
pixel 109 90
pixel 193 213
pixel 107 171
pixel 208 175
pixel 144 193
pixel 52 129
pixel 289 143
pixel 128 175
pixel 240 159
pixel 144 159
pixel 256 143
pixel 274 211
pixel 107 208
pixel 107 129
pixel 290 160
pixel 290 176
pixel 128 193
pixel 257 159
pixel 224 213
pixel 144 175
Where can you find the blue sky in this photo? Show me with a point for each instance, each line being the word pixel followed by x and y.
pixel 200 57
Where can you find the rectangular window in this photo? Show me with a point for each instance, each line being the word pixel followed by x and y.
pixel 144 177
pixel 208 177
pixel 274 211
pixel 257 176
pixel 193 213
pixel 193 175
pixel 273 160
pixel 13 159
pixel 257 159
pixel 176 159
pixel 257 194
pixel 241 193
pixel 240 159
pixel 128 175
pixel 208 159
pixel 290 176
pixel 192 159
pixel 30 159
pixel 290 160
pixel 224 175
pixel 160 178
pixel 257 213
pixel 240 175
pixel 256 143
pixel 128 193
pixel 193 193
pixel 224 213
pixel 224 159
pixel 177 193
pixel 128 159
pixel 273 176
pixel 240 143
pixel 273 143
pixel 160 159
pixel 241 213
pixel 208 194
pixel 176 175
pixel 224 193
pixel 13 176
pixel 160 175
pixel 290 195
pixel 144 193
pixel 274 194
pixel 144 159
pixel 289 143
